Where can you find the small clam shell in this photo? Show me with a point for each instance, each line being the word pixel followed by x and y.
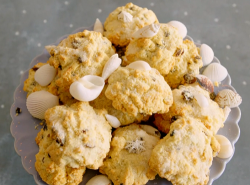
pixel 112 64
pixel 180 26
pixel 215 72
pixel 207 54
pixel 226 149
pixel 113 121
pixel 98 27
pixel 125 16
pixel 147 31
pixel 141 65
pixel 151 130
pixel 87 88
pixel 201 100
pixel 45 74
pixel 205 83
pixel 226 111
pixel 229 98
pixel 99 180
pixel 38 102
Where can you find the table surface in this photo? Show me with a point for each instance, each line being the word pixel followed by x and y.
pixel 29 25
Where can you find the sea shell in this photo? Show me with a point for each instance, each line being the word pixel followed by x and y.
pixel 229 98
pixel 99 180
pixel 141 65
pixel 113 121
pixel 87 88
pixel 38 102
pixel 201 100
pixel 147 31
pixel 112 64
pixel 180 26
pixel 98 27
pixel 205 83
pixel 226 149
pixel 125 16
pixel 215 72
pixel 226 112
pixel 151 130
pixel 207 54
pixel 45 74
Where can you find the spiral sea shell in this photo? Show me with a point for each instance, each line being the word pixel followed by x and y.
pixel 45 74
pixel 228 98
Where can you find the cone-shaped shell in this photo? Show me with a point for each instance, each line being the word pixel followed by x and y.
pixel 205 83
pixel 207 54
pixel 215 72
pixel 180 26
pixel 147 31
pixel 229 98
pixel 113 121
pixel 98 27
pixel 38 102
pixel 45 74
pixel 125 16
pixel 141 65
pixel 226 149
pixel 87 88
pixel 99 180
pixel 201 100
pixel 151 130
pixel 113 63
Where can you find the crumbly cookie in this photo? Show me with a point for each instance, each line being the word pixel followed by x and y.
pixel 118 31
pixel 158 50
pixel 211 116
pixel 187 61
pixel 127 161
pixel 81 135
pixel 80 54
pixel 102 102
pixel 139 91
pixel 185 155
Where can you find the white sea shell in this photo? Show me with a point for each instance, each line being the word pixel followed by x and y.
pixel 151 130
pixel 226 111
pixel 112 64
pixel 205 83
pixel 201 100
pixel 141 65
pixel 45 74
pixel 215 72
pixel 113 121
pixel 98 27
pixel 180 26
pixel 99 180
pixel 207 54
pixel 38 102
pixel 229 98
pixel 87 88
pixel 226 149
pixel 125 16
pixel 147 31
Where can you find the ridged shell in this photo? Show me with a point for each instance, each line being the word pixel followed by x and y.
pixel 45 74
pixel 226 112
pixel 207 54
pixel 201 100
pixel 215 72
pixel 147 31
pixel 205 83
pixel 226 149
pixel 98 27
pixel 229 98
pixel 38 102
pixel 151 130
pixel 113 121
pixel 99 180
pixel 141 65
pixel 180 26
pixel 125 16
pixel 112 64
pixel 87 88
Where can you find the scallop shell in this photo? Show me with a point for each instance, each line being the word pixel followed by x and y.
pixel 113 121
pixel 45 74
pixel 113 63
pixel 205 83
pixel 125 16
pixel 99 180
pixel 215 72
pixel 38 102
pixel 87 88
pixel 229 98
pixel 180 26
pixel 98 27
pixel 151 130
pixel 201 100
pixel 207 54
pixel 226 149
pixel 226 112
pixel 147 31
pixel 141 65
